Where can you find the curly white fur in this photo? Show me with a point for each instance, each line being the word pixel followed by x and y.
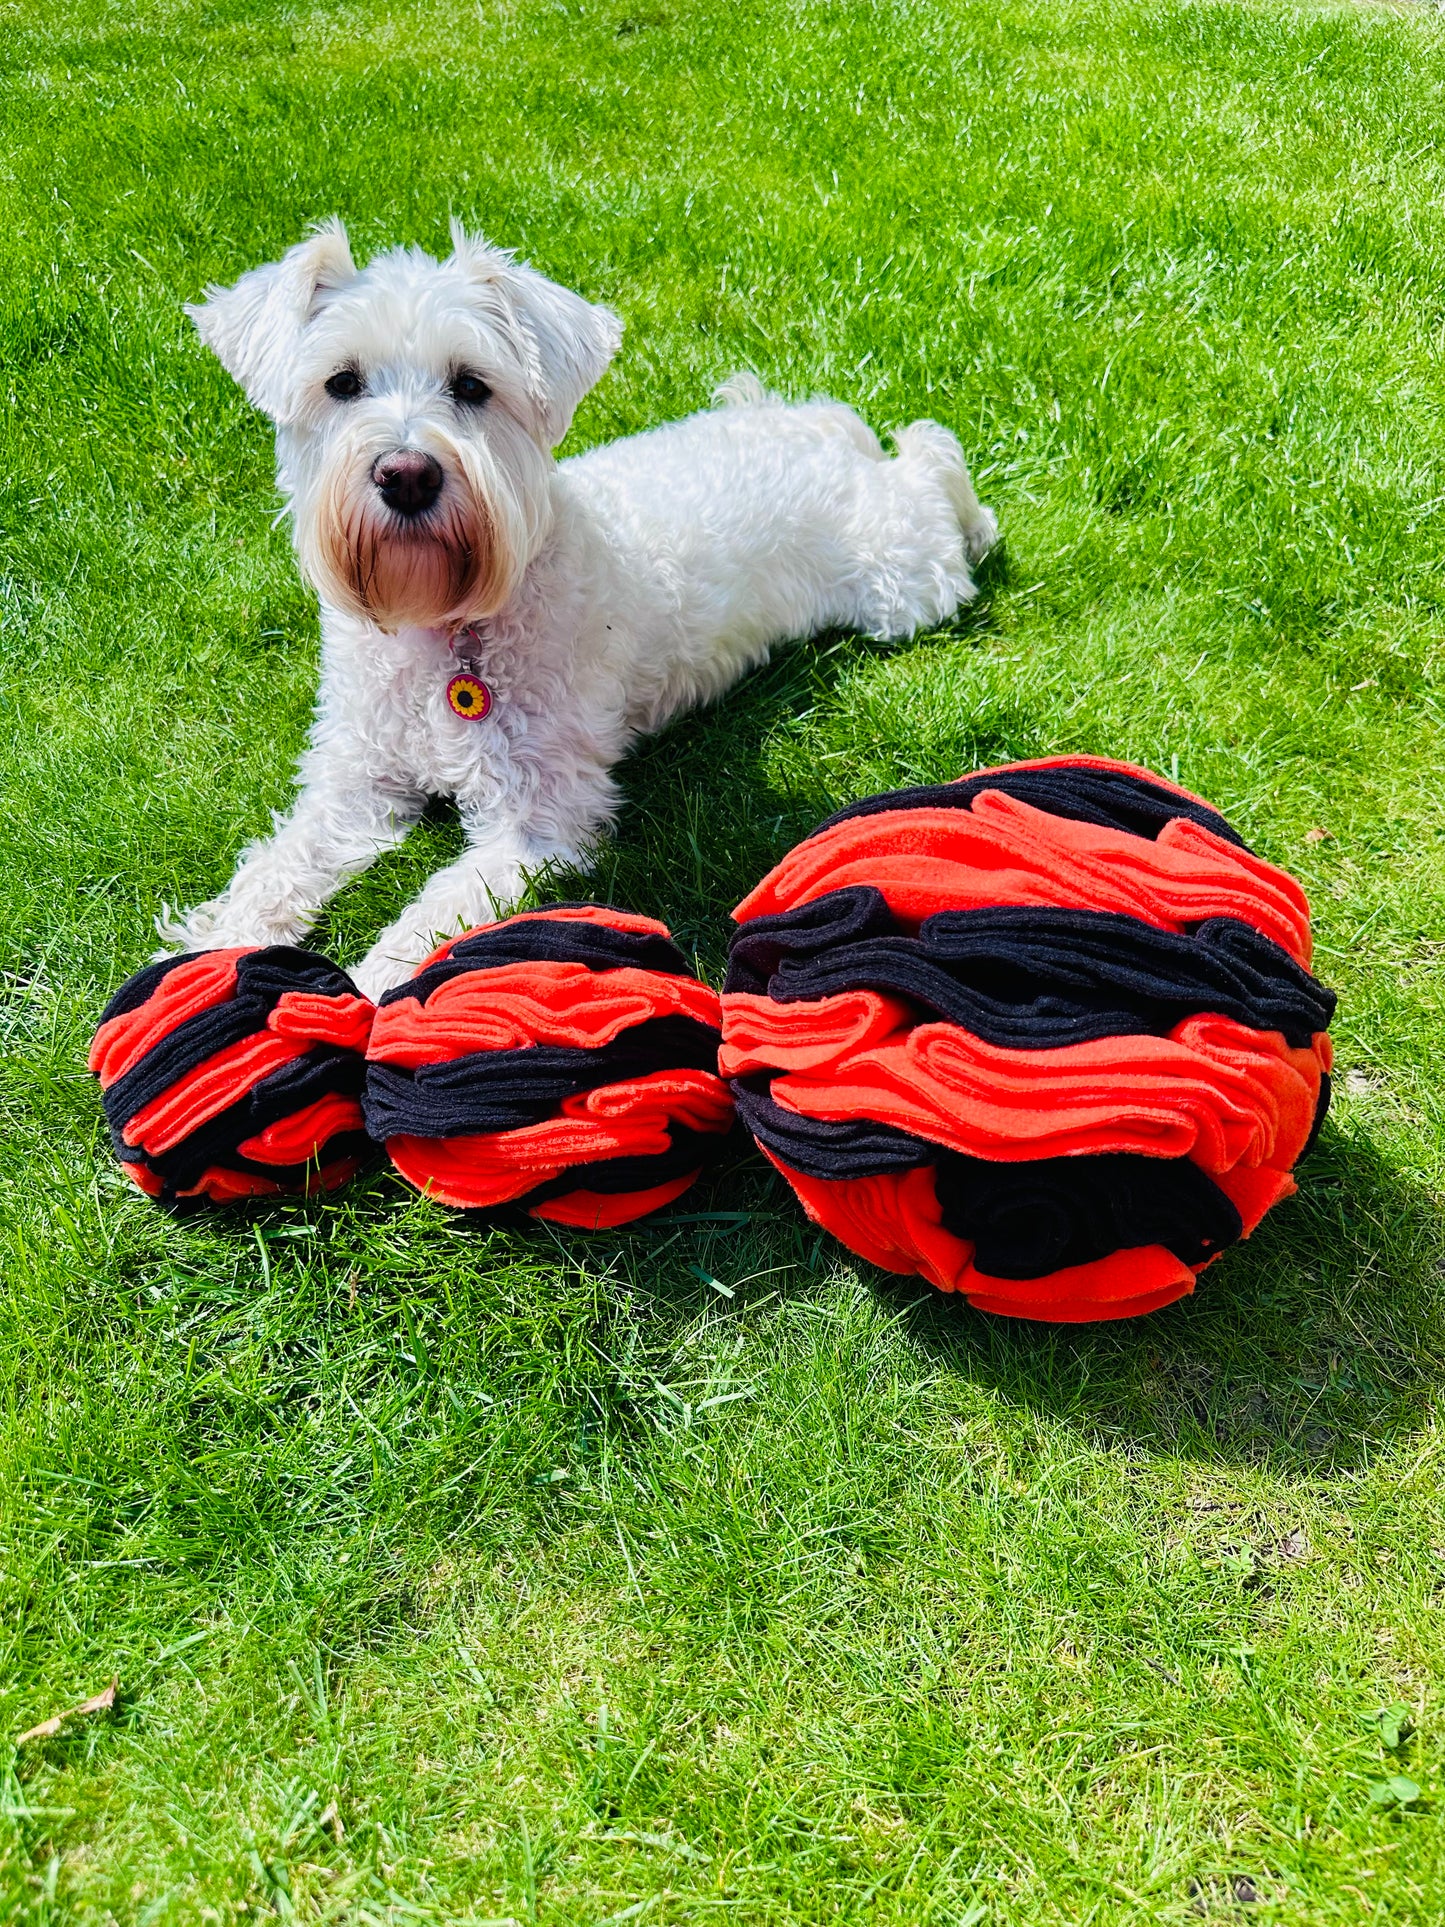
pixel 599 595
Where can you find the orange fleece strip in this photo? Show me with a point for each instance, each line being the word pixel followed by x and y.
pixel 1212 1089
pixel 603 1210
pixel 212 1087
pixel 313 1019
pixel 207 979
pixel 297 1139
pixel 1004 852
pixel 517 1005
pixel 629 1119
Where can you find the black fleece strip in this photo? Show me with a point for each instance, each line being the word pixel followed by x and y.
pixel 1027 1220
pixel 854 915
pixel 354 1146
pixel 1110 798
pixel 1032 978
pixel 1322 1108
pixel 505 1090
pixel 323 1070
pixel 262 978
pixel 820 1147
pixel 143 985
pixel 537 940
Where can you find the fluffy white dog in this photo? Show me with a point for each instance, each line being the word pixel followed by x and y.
pixel 499 627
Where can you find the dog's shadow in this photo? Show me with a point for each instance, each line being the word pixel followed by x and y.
pixel 708 808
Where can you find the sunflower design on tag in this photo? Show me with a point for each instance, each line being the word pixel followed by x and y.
pixel 469 697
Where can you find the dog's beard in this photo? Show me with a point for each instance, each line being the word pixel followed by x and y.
pixel 442 566
pixel 452 564
pixel 400 573
pixel 458 562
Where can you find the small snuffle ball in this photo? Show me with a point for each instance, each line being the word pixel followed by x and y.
pixel 1046 1036
pixel 230 1074
pixel 563 1061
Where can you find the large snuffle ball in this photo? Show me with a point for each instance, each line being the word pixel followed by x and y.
pixel 1046 1036
pixel 563 1061
pixel 233 1074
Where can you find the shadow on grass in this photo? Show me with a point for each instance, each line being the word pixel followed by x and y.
pixel 1313 1346
pixel 708 808
pixel 716 799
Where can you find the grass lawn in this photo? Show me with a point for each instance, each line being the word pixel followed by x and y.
pixel 698 1573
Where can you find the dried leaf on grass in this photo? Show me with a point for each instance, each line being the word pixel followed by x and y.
pixel 47 1729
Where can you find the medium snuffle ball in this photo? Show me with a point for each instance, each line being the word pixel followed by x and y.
pixel 563 1061
pixel 233 1074
pixel 1046 1036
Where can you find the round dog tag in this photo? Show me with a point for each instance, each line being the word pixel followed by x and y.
pixel 469 697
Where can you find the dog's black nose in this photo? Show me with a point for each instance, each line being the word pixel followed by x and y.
pixel 407 480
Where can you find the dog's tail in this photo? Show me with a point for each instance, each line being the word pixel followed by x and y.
pixel 932 446
pixel 744 390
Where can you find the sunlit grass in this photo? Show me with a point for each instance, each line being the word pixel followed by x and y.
pixel 536 1577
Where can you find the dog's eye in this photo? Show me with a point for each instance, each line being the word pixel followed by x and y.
pixel 470 389
pixel 344 385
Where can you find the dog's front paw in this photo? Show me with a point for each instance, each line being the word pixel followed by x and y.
pixel 188 930
pixel 219 925
pixel 378 972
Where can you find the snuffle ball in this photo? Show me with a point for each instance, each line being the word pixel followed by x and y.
pixel 1046 1036
pixel 563 1062
pixel 233 1074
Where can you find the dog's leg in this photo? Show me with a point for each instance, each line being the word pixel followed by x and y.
pixel 919 528
pixel 482 885
pixel 335 830
pixel 572 798
pixel 934 448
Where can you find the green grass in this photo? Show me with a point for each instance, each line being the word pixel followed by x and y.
pixel 541 1577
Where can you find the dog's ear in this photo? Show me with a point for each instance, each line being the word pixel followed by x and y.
pixel 253 327
pixel 565 343
pixel 573 340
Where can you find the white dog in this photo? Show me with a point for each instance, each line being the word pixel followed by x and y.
pixel 499 627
